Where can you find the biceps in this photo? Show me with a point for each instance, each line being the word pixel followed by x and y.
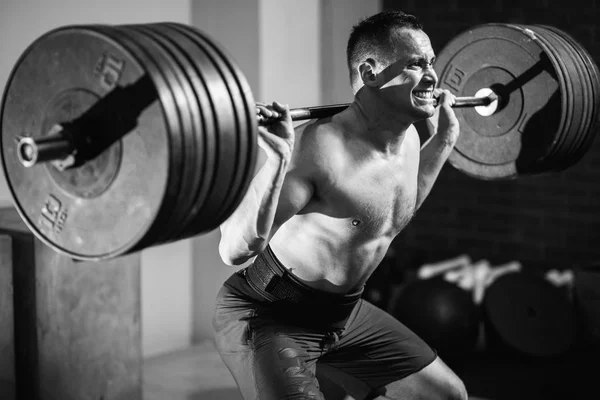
pixel 295 195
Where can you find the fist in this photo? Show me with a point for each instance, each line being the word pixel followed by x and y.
pixel 447 124
pixel 275 129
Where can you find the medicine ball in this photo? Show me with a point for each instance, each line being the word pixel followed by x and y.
pixel 441 313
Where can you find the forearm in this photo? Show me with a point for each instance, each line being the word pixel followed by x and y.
pixel 247 230
pixel 434 154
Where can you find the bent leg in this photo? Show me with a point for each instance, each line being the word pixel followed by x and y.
pixel 284 368
pixel 268 360
pixel 435 381
pixel 277 364
pixel 391 360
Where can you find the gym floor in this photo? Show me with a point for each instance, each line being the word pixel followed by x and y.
pixel 198 373
pixel 192 374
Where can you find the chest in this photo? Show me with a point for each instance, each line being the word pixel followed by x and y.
pixel 376 197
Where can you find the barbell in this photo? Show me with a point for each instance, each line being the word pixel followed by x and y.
pixel 116 138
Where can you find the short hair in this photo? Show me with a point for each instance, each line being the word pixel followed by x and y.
pixel 373 36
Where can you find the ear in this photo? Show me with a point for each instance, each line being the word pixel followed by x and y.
pixel 367 73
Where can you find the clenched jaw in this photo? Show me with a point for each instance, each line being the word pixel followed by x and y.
pixel 423 96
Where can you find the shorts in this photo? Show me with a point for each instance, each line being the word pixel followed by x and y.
pixel 276 335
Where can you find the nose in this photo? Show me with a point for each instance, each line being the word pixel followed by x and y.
pixel 430 76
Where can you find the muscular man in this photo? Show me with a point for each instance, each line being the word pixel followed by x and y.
pixel 319 217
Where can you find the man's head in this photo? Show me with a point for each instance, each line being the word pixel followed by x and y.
pixel 376 37
pixel 390 52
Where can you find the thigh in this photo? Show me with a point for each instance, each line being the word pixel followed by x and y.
pixel 377 349
pixel 284 361
pixel 268 359
pixel 232 335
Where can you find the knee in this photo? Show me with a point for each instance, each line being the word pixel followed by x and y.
pixel 456 390
pixel 440 387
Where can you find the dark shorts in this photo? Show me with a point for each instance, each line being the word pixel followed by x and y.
pixel 275 334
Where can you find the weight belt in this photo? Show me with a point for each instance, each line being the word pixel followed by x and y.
pixel 290 297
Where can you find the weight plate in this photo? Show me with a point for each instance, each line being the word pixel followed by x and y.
pixel 246 110
pixel 583 88
pixel 198 71
pixel 237 136
pixel 571 92
pixel 162 233
pixel 81 66
pixel 592 100
pixel 230 142
pixel 188 105
pixel 511 141
pixel 204 135
pixel 159 70
pixel 529 315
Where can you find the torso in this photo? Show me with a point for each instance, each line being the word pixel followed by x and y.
pixel 362 200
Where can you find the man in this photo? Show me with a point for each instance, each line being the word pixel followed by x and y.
pixel 319 217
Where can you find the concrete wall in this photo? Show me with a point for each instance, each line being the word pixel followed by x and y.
pixel 337 19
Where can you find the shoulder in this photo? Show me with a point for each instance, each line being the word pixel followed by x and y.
pixel 319 152
pixel 319 141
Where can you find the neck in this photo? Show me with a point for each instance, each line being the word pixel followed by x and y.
pixel 370 119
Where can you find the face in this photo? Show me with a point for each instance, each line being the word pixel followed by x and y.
pixel 407 83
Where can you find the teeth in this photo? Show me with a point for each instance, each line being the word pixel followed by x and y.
pixel 424 94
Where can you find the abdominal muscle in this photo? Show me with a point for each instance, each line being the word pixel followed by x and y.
pixel 328 254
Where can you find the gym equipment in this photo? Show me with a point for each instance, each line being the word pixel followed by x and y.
pixel 441 313
pixel 547 114
pixel 119 138
pixel 526 314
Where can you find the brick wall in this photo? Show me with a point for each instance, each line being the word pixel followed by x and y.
pixel 548 221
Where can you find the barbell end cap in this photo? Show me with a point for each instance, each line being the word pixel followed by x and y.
pixel 27 152
pixel 492 102
pixel 493 96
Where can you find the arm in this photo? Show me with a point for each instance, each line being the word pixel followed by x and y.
pixel 278 191
pixel 437 148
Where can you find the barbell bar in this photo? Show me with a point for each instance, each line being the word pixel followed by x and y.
pixel 305 113
pixel 119 138
pixel 59 146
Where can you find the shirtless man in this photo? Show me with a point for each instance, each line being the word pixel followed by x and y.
pixel 319 217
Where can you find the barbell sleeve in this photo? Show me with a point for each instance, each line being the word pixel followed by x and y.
pixel 299 114
pixel 32 151
pixel 475 101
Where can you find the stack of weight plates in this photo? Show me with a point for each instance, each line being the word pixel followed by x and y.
pixel 549 87
pixel 180 170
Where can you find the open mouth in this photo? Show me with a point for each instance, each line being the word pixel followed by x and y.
pixel 423 94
